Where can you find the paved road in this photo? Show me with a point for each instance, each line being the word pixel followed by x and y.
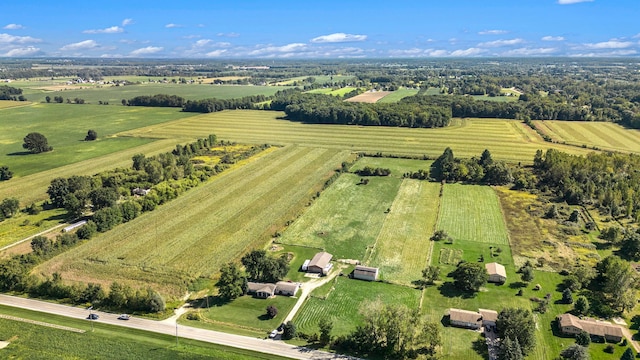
pixel 259 345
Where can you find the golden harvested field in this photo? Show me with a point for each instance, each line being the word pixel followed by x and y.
pixel 507 140
pixel 402 248
pixel 369 97
pixel 601 135
pixel 206 227
pixel 5 104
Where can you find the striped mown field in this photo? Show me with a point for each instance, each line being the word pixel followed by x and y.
pixel 398 95
pixel 507 140
pixel 402 247
pixel 602 135
pixel 472 213
pixel 206 227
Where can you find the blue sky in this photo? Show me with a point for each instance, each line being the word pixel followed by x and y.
pixel 319 29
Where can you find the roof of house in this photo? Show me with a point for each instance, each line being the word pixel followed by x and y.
pixel 488 315
pixel 365 269
pixel 464 316
pixel 261 287
pixel 287 286
pixel 495 269
pixel 321 259
pixel 569 320
pixel 593 327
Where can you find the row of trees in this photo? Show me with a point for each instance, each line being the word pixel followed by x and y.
pixel 159 100
pixel 11 93
pixel 327 109
pixel 477 171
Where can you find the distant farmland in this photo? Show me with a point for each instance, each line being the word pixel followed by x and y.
pixel 398 95
pixel 369 96
pixel 206 227
pixel 602 135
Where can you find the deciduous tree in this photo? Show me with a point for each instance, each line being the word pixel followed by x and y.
pixel 518 324
pixel 36 143
pixel 470 276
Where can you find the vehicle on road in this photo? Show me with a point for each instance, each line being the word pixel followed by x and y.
pixel 93 317
pixel 273 334
pixel 124 317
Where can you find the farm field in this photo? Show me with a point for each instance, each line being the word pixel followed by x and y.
pixel 369 96
pixel 402 247
pixel 398 95
pixel 601 135
pixel 235 211
pixel 347 217
pixel 319 79
pixel 330 91
pixel 114 94
pixel 344 300
pixel 507 140
pixel 65 127
pixel 472 213
pixel 6 104
pixel 398 166
pixel 31 341
pixel 21 225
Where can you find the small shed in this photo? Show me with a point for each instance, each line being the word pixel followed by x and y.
pixel 365 273
pixel 497 273
pixel 320 263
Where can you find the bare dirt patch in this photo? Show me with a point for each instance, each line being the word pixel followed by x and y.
pixel 369 97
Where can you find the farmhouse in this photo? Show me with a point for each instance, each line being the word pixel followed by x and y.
pixel 261 290
pixel 497 273
pixel 365 273
pixel 465 318
pixel 287 288
pixel 598 330
pixel 320 263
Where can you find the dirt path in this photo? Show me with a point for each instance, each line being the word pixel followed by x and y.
pixel 629 337
pixel 307 288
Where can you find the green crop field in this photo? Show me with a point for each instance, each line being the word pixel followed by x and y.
pixel 33 341
pixel 602 135
pixel 506 139
pixel 397 166
pixel 472 213
pixel 206 227
pixel 343 303
pixel 347 218
pixel 65 127
pixel 330 91
pixel 114 94
pixel 22 225
pixel 398 95
pixel 402 247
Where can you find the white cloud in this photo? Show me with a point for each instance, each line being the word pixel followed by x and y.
pixel 210 43
pixel 339 38
pixel 146 51
pixel 82 45
pixel 216 53
pixel 126 22
pixel 271 50
pixel 28 51
pixel 109 30
pixel 493 32
pixel 467 52
pixel 552 38
pixel 529 52
pixel 569 2
pixel 628 52
pixel 173 26
pixel 10 39
pixel 231 34
pixel 611 44
pixel 499 43
pixel 637 36
pixel 13 27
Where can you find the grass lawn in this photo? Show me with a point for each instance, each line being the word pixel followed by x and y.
pixel 344 301
pixel 472 213
pixel 31 341
pixel 65 127
pixel 193 235
pixel 402 247
pixel 398 95
pixel 397 166
pixel 300 254
pixel 347 217
pixel 249 313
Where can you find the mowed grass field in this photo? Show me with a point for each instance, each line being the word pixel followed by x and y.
pixel 5 104
pixel 472 213
pixel 345 299
pixel 398 166
pixel 506 139
pixel 347 218
pixel 334 92
pixel 402 247
pixel 602 135
pixel 398 95
pixel 114 94
pixel 65 127
pixel 206 227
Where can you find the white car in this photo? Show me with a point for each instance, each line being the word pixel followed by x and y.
pixel 273 334
pixel 124 317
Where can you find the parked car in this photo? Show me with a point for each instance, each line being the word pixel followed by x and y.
pixel 93 316
pixel 273 334
pixel 124 317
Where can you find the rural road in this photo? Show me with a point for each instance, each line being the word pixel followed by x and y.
pixel 259 345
